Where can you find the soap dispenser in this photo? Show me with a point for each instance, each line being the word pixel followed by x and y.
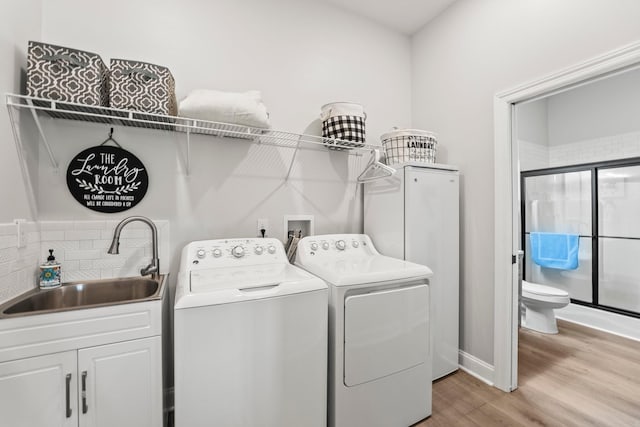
pixel 50 272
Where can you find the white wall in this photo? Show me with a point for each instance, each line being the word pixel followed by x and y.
pixel 300 54
pixel 533 135
pixel 18 260
pixel 20 23
pixel 460 60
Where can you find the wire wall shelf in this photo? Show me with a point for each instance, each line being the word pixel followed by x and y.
pixel 188 126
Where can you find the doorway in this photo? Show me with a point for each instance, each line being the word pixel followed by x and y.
pixel 507 199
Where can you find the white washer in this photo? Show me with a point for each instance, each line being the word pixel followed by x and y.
pixel 250 337
pixel 379 356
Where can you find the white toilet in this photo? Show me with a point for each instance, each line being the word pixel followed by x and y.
pixel 539 301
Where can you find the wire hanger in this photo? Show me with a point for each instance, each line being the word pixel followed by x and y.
pixel 375 169
pixel 110 138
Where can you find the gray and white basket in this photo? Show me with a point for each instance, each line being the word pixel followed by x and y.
pixel 67 75
pixel 141 86
pixel 409 145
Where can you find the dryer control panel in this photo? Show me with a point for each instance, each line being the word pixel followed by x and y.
pixel 336 246
pixel 222 253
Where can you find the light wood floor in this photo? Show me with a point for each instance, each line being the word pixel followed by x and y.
pixel 580 377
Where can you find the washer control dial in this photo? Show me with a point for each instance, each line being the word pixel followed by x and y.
pixel 325 245
pixel 314 246
pixel 237 251
pixel 201 253
pixel 355 244
pixel 259 250
pixel 217 253
pixel 341 245
pixel 271 249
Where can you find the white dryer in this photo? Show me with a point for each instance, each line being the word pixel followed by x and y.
pixel 250 337
pixel 379 358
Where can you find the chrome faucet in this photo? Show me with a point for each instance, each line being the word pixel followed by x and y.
pixel 154 267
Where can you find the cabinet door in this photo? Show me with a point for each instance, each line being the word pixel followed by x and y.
pixel 432 239
pixel 39 391
pixel 121 384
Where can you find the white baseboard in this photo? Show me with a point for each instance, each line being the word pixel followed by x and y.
pixel 476 367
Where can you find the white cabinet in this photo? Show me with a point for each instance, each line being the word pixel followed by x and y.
pixel 39 391
pixel 110 385
pixel 120 384
pixel 83 368
pixel 414 215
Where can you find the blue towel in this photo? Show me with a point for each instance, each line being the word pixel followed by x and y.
pixel 555 250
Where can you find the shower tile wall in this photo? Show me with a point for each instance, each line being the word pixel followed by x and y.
pixel 595 150
pixel 537 156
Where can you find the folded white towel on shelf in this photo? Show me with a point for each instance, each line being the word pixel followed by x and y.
pixel 241 108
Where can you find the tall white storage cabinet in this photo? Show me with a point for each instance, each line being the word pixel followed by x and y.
pixel 414 215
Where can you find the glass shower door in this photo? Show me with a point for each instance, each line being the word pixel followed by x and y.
pixel 619 237
pixel 560 203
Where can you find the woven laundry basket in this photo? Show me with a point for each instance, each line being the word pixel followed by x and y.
pixel 343 121
pixel 409 145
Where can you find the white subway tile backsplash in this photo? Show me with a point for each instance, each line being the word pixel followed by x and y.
pixel 8 254
pixel 8 229
pixel 80 254
pixel 101 244
pixel 85 244
pixel 71 265
pixel 82 234
pixel 52 235
pixel 54 225
pixel 8 241
pixel 18 266
pixel 135 243
pixel 114 261
pixel 81 248
pixel 85 247
pixel 89 225
pixel 60 245
pixel 80 275
pixel 6 268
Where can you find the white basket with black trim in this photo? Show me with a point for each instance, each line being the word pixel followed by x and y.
pixel 344 121
pixel 409 145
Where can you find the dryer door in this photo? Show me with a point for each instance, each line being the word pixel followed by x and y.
pixel 385 332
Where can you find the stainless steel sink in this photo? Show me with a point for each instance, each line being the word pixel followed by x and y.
pixel 76 295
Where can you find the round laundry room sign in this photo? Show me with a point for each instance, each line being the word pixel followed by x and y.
pixel 107 179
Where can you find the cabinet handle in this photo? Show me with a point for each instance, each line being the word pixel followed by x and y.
pixel 68 395
pixel 85 408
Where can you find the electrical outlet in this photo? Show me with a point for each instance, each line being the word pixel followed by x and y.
pixel 22 239
pixel 263 223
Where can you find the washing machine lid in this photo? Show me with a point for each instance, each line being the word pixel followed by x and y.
pixel 227 285
pixel 347 271
pixel 543 290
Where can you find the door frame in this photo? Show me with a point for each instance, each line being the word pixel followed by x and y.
pixel 507 205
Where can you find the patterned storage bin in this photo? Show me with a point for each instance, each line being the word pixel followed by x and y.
pixel 65 74
pixel 344 121
pixel 144 87
pixel 409 145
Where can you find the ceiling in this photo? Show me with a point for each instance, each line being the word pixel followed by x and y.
pixel 404 16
